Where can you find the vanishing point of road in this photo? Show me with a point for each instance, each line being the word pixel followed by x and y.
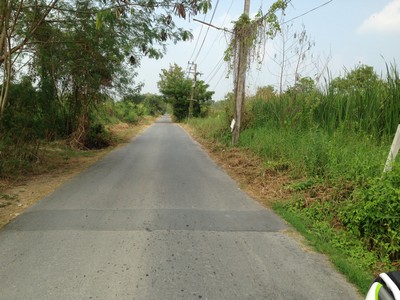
pixel 157 219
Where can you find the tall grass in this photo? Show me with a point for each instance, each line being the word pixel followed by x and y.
pixel 318 154
pixel 337 138
pixel 342 131
pixel 371 109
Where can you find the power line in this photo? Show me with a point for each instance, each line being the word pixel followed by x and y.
pixel 198 38
pixel 218 35
pixel 222 74
pixel 208 28
pixel 307 12
pixel 211 47
pixel 215 70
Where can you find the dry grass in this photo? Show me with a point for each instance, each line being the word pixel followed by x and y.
pixel 56 165
pixel 265 185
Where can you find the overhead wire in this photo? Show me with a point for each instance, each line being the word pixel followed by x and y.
pixel 219 64
pixel 219 33
pixel 215 70
pixel 220 78
pixel 198 38
pixel 307 12
pixel 208 28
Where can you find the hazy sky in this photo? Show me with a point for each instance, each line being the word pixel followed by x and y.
pixel 345 32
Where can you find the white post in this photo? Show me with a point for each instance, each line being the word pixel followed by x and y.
pixel 394 149
pixel 233 124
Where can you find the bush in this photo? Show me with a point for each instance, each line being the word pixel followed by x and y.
pixel 126 112
pixel 98 137
pixel 22 127
pixel 373 214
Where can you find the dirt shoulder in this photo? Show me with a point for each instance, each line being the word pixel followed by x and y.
pixel 57 165
pixel 266 185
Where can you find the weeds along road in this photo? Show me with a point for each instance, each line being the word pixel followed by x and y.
pixel 158 219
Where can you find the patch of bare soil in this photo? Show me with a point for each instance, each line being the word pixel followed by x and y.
pixel 265 185
pixel 55 168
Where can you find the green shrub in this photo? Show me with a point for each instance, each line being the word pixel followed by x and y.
pixel 126 111
pixel 373 214
pixel 98 137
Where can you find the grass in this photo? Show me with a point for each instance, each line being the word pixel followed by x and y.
pixel 265 183
pixel 316 153
pixel 332 146
pixel 58 155
pixel 348 265
pixel 55 164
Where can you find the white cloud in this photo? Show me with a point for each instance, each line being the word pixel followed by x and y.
pixel 385 21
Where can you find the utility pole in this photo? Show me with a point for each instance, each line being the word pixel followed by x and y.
pixel 240 80
pixel 192 99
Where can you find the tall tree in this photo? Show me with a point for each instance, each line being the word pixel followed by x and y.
pixel 19 20
pixel 266 92
pixel 145 25
pixel 203 99
pixel 176 88
pixel 360 79
pixel 293 59
pixel 92 47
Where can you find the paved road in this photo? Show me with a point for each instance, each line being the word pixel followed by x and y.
pixel 158 220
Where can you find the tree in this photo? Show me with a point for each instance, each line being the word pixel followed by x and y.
pixel 91 48
pixel 360 79
pixel 265 93
pixel 78 63
pixel 154 104
pixel 143 26
pixel 203 99
pixel 293 59
pixel 19 20
pixel 176 88
pixel 303 85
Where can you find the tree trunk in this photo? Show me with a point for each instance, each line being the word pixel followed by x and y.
pixel 7 31
pixel 78 136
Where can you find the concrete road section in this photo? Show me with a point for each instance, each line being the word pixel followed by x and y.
pixel 158 219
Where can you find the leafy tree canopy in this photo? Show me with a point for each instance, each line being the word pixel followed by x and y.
pixel 304 85
pixel 265 92
pixel 176 89
pixel 203 99
pixel 359 79
pixel 125 31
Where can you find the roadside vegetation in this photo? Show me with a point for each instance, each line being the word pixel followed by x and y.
pixel 55 163
pixel 27 140
pixel 68 92
pixel 178 91
pixel 331 146
pixel 68 72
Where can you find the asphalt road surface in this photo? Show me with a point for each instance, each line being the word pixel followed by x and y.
pixel 158 219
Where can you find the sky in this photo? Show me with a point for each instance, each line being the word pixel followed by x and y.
pixel 343 34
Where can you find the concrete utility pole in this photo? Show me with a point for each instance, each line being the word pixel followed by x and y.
pixel 240 80
pixel 192 99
